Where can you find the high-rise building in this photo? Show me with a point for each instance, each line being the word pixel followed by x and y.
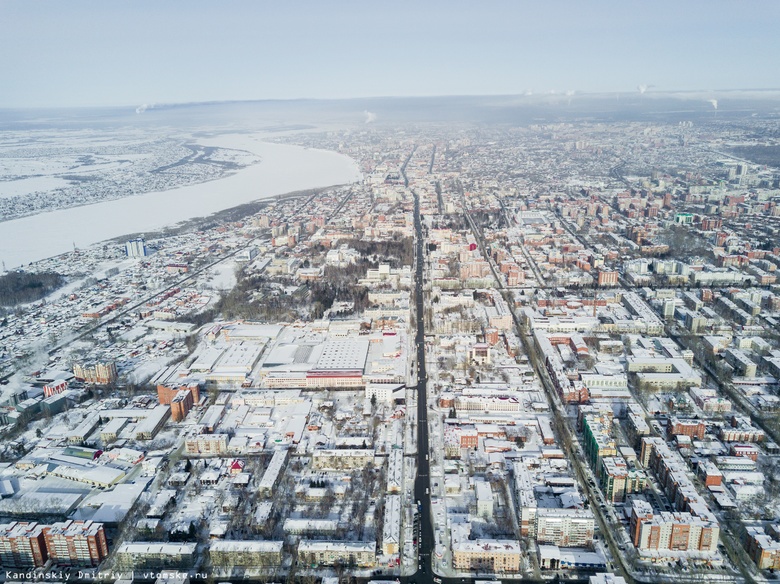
pixel 136 248
pixel 101 373
pixel 675 532
pixel 565 527
pixel 76 543
pixel 181 398
pixel 167 393
pixel 181 405
pixel 22 545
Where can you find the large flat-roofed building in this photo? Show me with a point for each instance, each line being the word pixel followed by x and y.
pixel 655 373
pixel 144 554
pixel 111 431
pixel 491 555
pixel 341 364
pixel 606 578
pixel 235 363
pixel 76 543
pixel 102 476
pixel 336 356
pixel 343 354
pixel 328 553
pixel 230 553
pixel 22 545
pixel 334 378
pixel 83 430
pixel 150 420
pixel 148 427
pixel 552 557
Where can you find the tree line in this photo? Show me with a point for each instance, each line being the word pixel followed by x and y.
pixel 19 287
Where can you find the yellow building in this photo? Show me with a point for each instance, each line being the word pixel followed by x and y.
pixel 491 555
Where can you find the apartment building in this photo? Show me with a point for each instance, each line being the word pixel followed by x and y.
pixel 564 527
pixel 143 554
pixel 229 553
pixel 342 459
pixel 487 555
pixel 329 553
pixel 206 444
pixel 762 549
pixel 22 545
pixel 76 543
pixel 674 532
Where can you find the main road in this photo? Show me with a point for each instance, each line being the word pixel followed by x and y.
pixel 422 484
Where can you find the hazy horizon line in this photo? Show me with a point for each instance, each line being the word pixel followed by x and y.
pixel 648 93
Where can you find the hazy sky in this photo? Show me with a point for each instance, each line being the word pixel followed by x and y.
pixel 101 52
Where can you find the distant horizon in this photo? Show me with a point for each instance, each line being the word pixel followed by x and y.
pixel 650 93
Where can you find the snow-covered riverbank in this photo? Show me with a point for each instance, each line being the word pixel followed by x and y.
pixel 283 169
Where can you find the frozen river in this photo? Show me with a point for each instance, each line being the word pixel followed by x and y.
pixel 283 169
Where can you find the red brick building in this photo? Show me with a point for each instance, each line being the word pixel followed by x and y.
pixel 167 393
pixel 692 428
pixel 76 543
pixel 22 545
pixel 181 398
pixel 608 278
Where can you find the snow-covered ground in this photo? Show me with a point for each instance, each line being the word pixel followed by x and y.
pixel 223 276
pixel 26 186
pixel 283 169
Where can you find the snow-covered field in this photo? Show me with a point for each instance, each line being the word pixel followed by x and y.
pixel 223 276
pixel 26 186
pixel 283 169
